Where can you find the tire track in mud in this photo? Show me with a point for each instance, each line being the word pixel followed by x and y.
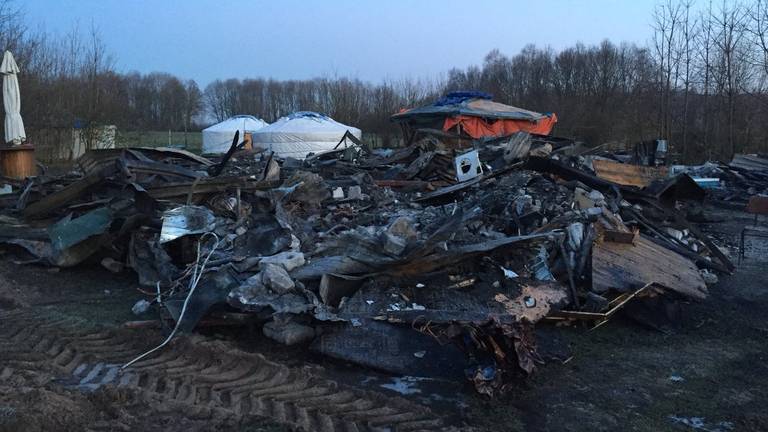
pixel 205 377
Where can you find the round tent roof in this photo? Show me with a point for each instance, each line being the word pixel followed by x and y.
pixel 301 133
pixel 218 138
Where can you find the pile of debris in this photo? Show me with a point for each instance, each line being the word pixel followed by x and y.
pixel 437 259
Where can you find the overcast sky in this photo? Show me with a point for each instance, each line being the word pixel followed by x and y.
pixel 370 40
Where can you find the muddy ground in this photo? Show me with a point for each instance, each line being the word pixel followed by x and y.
pixel 706 370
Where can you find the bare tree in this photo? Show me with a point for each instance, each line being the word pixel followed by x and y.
pixel 731 22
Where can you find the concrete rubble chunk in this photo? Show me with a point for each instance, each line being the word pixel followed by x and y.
pixel 112 265
pixel 355 193
pixel 288 260
pixel 394 245
pixel 276 278
pixel 597 197
pixel 288 332
pixel 403 227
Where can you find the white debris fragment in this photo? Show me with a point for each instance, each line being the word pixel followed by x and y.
pixel 419 354
pixel 404 385
pixel 509 274
pixel 699 423
pixel 141 307
pixel 529 301
pixel 338 193
pixel 295 243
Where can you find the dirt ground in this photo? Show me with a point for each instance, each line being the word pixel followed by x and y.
pixel 707 370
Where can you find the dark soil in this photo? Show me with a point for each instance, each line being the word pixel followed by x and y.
pixel 707 370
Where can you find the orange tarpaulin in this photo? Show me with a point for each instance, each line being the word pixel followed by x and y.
pixel 478 127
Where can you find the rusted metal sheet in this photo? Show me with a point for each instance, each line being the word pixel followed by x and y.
pixel 94 160
pixel 626 267
pixel 626 174
pixel 758 204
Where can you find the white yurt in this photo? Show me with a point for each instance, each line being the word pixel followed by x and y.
pixel 218 138
pixel 301 133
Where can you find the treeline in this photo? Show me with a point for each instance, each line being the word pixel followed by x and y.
pixel 71 79
pixel 700 83
pixel 350 101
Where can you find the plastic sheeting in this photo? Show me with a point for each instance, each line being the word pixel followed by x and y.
pixel 218 138
pixel 478 127
pixel 301 133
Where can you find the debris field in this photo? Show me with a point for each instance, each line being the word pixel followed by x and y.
pixel 442 258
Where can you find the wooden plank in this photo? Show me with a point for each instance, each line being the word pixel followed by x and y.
pixel 63 197
pixel 626 267
pixel 626 174
pixel 621 236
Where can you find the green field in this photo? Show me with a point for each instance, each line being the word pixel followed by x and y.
pixel 193 141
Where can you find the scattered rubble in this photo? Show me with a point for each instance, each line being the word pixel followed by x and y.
pixel 435 259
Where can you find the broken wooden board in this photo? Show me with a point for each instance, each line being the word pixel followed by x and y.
pixel 64 196
pixel 617 236
pixel 626 174
pixel 207 185
pixel 626 267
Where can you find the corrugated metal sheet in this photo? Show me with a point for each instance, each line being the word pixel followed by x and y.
pixel 626 267
pixel 749 162
pixel 626 174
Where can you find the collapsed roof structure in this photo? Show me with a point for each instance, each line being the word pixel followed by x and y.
pixel 474 115
pixel 304 132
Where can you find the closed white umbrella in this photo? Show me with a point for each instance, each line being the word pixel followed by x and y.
pixel 14 125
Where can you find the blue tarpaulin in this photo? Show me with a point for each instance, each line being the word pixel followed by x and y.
pixel 458 97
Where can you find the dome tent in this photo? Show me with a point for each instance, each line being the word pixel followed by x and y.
pixel 218 138
pixel 303 132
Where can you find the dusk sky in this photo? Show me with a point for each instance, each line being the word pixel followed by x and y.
pixel 370 40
